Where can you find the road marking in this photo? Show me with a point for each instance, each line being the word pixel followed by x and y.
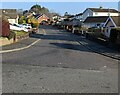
pixel 44 32
pixel 18 49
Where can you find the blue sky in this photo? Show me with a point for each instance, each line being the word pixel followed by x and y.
pixel 60 7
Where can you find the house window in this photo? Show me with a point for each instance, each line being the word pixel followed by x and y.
pixel 96 13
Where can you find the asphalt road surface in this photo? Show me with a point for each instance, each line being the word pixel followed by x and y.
pixel 58 64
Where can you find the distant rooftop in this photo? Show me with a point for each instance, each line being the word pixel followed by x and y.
pixel 9 13
pixel 103 10
pixel 99 19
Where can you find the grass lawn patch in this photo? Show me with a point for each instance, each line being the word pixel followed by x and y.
pixel 19 33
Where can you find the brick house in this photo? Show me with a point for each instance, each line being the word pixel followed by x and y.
pixel 41 18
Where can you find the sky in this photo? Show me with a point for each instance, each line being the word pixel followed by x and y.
pixel 60 7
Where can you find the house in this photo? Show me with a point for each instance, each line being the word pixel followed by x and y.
pixel 99 12
pixel 41 17
pixel 79 16
pixel 96 21
pixel 112 22
pixel 56 18
pixel 11 15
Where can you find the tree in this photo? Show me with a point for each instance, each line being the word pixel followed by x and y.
pixel 34 22
pixel 66 14
pixel 24 12
pixel 22 19
pixel 36 8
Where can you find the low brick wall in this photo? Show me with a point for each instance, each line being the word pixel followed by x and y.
pixel 19 38
pixel 5 41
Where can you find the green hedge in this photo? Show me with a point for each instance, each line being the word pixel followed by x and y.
pixel 95 32
pixel 114 34
pixel 11 35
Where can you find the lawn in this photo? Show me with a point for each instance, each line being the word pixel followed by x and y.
pixel 19 33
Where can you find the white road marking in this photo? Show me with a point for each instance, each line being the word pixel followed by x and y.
pixel 18 49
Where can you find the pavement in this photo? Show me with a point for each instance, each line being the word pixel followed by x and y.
pixel 93 46
pixel 19 44
pixel 23 44
pixel 100 49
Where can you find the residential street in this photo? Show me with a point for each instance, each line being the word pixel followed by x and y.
pixel 58 63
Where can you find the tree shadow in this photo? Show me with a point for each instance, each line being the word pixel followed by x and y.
pixel 47 27
pixel 71 46
pixel 53 37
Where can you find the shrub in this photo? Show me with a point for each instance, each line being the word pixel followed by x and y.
pixel 4 32
pixel 34 25
pixel 114 34
pixel 22 20
pixel 95 32
pixel 11 35
pixel 33 21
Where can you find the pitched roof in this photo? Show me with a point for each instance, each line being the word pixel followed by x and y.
pixel 103 10
pixel 96 19
pixel 116 20
pixel 9 13
pixel 79 14
pixel 39 15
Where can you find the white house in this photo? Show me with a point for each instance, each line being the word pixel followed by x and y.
pixel 11 15
pixel 96 21
pixel 99 12
pixel 112 22
pixel 79 16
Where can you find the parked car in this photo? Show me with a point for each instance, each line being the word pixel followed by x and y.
pixel 28 26
pixel 17 27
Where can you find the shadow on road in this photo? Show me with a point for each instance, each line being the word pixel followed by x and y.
pixel 47 27
pixel 70 46
pixel 53 37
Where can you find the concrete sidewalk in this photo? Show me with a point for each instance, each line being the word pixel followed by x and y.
pixel 98 48
pixel 22 43
pixel 19 44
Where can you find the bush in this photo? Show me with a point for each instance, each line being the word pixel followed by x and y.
pixel 95 32
pixel 34 25
pixel 114 34
pixel 11 35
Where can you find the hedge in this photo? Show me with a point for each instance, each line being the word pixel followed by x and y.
pixel 11 35
pixel 113 34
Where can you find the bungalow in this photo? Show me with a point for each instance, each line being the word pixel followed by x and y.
pixel 99 12
pixel 11 15
pixel 79 16
pixel 96 21
pixel 112 22
pixel 41 17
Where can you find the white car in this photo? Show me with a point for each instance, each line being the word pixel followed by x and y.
pixel 17 27
pixel 27 26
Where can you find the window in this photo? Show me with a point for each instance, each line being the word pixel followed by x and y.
pixel 96 13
